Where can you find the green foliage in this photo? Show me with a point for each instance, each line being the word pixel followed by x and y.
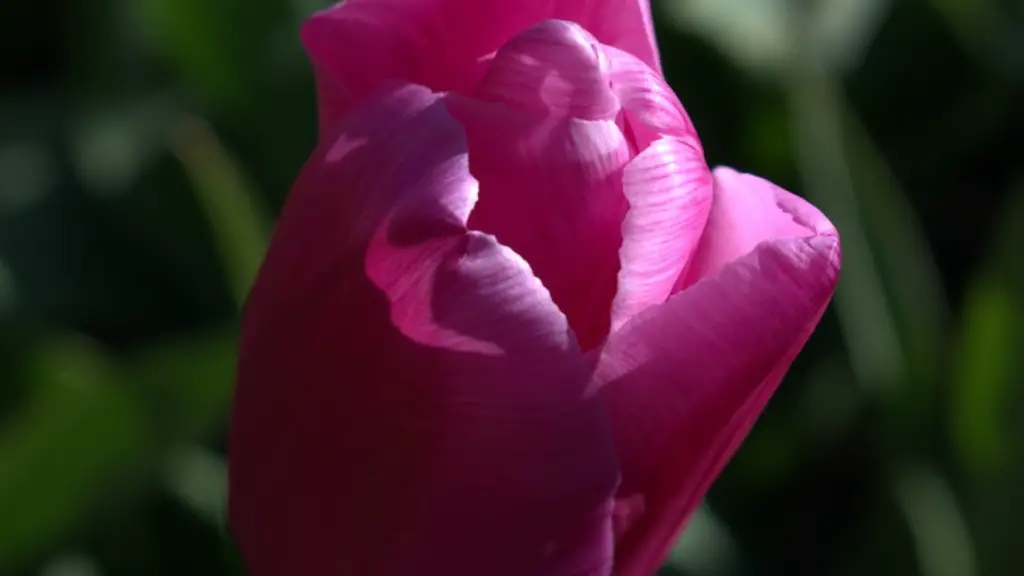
pixel 76 431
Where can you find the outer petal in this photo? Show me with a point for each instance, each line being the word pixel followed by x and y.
pixel 410 400
pixel 443 44
pixel 549 157
pixel 685 381
pixel 668 185
pixel 747 210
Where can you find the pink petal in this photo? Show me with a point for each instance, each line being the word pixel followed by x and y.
pixel 685 381
pixel 669 190
pixel 650 106
pixel 624 24
pixel 748 209
pixel 359 44
pixel 668 185
pixel 553 68
pixel 551 184
pixel 409 400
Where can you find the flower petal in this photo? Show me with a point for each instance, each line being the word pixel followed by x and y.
pixel 409 399
pixel 550 183
pixel 685 381
pixel 747 210
pixel 650 106
pixel 553 68
pixel 443 44
pixel 669 191
pixel 669 186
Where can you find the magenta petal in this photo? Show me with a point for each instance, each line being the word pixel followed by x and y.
pixel 650 106
pixel 669 190
pixel 746 210
pixel 409 400
pixel 360 44
pixel 685 381
pixel 550 183
pixel 669 186
pixel 553 68
pixel 624 24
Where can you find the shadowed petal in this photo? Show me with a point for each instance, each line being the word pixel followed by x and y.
pixel 410 400
pixel 549 157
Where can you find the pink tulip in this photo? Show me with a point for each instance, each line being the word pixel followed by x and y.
pixel 510 323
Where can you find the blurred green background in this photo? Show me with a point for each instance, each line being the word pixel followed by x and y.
pixel 145 147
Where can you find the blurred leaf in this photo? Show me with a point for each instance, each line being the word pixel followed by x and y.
pixel 8 291
pixel 891 301
pixel 220 48
pixel 233 560
pixel 194 34
pixel 983 368
pixel 760 34
pixel 754 33
pixel 706 548
pixel 986 417
pixel 240 225
pixel 843 29
pixel 940 533
pixel 82 428
pixel 864 310
pixel 192 379
pixel 1008 252
pixel 771 455
pixel 71 566
pixel 199 478
pixel 29 171
pixel 919 303
pixel 830 402
pixel 988 372
pixel 303 8
pixel 73 436
pixel 111 147
pixel 972 21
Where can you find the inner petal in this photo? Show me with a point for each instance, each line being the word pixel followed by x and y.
pixel 549 156
pixel 668 186
pixel 551 189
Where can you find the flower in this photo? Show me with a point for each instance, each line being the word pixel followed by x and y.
pixel 510 323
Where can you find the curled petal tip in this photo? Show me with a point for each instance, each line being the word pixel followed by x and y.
pixel 554 67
